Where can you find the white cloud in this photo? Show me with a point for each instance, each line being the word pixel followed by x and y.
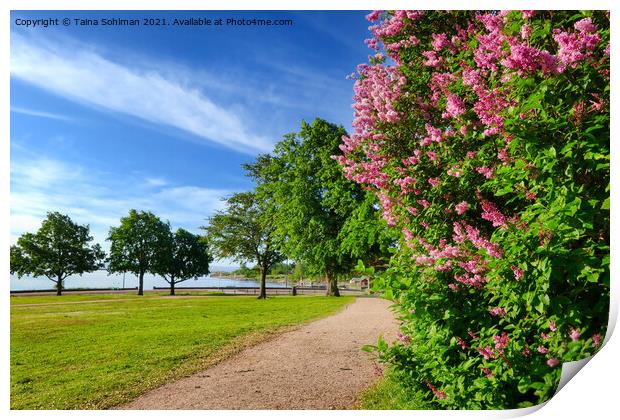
pixel 87 77
pixel 156 181
pixel 42 114
pixel 41 185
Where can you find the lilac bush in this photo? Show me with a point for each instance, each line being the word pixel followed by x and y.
pixel 485 136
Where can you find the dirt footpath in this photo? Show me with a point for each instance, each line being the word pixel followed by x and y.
pixel 318 366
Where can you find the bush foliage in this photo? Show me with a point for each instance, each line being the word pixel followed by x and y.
pixel 485 136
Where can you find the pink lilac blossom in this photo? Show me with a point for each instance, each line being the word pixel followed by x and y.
pixel 526 351
pixel 502 154
pixel 585 25
pixel 552 325
pixel 439 41
pixel 498 311
pixel 486 171
pixel 527 14
pixel 439 394
pixel 596 339
pixel 527 60
pixel 405 184
pixel 492 214
pixel 435 134
pixel 431 59
pixel 486 352
pixel 501 342
pixel 476 281
pixel 576 46
pixel 434 182
pixel 553 362
pixel 432 156
pixel 404 339
pixel 544 336
pixel 487 372
pixel 454 106
pixel 574 334
pixel 579 111
pixel 473 235
pixel 455 172
pixel 542 349
pixel 526 31
pixel 461 343
pixel 517 272
pixel 462 207
pixel 424 203
pixel 374 15
pixel 597 104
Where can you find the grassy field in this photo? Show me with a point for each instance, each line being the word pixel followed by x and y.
pixel 393 394
pixel 99 354
pixel 35 300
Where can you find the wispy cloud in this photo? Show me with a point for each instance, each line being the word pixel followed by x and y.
pixel 85 76
pixel 156 181
pixel 42 114
pixel 40 185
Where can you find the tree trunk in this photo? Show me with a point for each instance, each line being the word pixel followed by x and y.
pixel 332 285
pixel 172 286
pixel 141 284
pixel 263 290
pixel 59 286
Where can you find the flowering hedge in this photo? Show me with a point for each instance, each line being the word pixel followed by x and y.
pixel 485 136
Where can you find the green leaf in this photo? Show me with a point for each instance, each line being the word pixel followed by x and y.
pixel 605 205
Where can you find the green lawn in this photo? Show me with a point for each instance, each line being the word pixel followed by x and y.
pixel 20 300
pixel 393 393
pixel 100 354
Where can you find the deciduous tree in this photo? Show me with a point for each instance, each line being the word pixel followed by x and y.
pixel 243 233
pixel 138 245
pixel 184 256
pixel 59 248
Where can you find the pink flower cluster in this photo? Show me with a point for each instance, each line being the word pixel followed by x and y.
pixel 491 213
pixel 462 343
pixel 439 394
pixel 577 46
pixel 454 107
pixel 497 311
pixel 462 207
pixel 404 339
pixel 473 235
pixel 501 342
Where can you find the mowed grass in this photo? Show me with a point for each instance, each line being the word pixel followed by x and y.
pixel 393 392
pixel 93 355
pixel 35 300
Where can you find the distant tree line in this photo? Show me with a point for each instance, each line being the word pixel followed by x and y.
pixel 142 243
pixel 303 212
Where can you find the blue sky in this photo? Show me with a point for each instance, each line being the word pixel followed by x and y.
pixel 104 119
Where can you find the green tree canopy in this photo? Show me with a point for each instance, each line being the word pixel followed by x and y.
pixel 138 245
pixel 59 248
pixel 185 256
pixel 320 217
pixel 243 233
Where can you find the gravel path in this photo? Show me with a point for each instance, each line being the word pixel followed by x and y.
pixel 318 366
